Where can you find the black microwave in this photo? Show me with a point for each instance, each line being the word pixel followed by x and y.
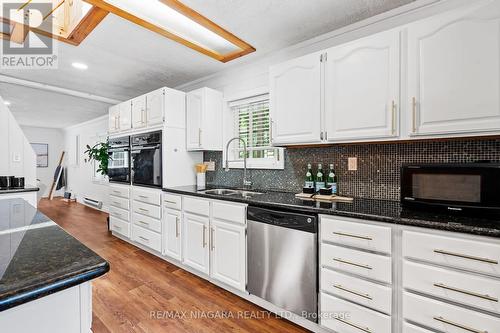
pixel 472 188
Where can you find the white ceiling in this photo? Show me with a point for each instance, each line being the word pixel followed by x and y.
pixel 126 60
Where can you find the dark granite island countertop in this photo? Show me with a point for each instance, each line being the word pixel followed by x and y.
pixel 37 257
pixel 363 208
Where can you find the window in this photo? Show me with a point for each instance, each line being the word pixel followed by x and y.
pixel 252 124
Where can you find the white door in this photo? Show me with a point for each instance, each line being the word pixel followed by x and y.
pixel 194 106
pixel 154 107
pixel 172 233
pixel 228 255
pixel 195 242
pixel 125 115
pixel 295 100
pixel 454 71
pixel 139 112
pixel 4 144
pixel 114 118
pixel 362 88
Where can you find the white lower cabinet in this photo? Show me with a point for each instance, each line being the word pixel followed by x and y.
pixel 146 237
pixel 195 242
pixel 119 226
pixel 172 233
pixel 227 253
pixel 409 328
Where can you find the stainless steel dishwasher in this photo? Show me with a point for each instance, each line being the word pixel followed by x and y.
pixel 282 259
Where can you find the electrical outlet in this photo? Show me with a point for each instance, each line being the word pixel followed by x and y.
pixel 352 164
pixel 210 165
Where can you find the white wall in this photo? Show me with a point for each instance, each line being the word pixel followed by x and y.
pixel 17 158
pixel 54 137
pixel 80 174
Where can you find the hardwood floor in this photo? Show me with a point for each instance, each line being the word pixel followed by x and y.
pixel 143 293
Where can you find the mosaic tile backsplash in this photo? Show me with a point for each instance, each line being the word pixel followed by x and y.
pixel 378 174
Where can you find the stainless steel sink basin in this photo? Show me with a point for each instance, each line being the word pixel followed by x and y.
pixel 220 191
pixel 246 194
pixel 233 193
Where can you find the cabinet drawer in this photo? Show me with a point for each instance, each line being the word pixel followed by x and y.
pixel 370 265
pixel 147 222
pixel 468 289
pixel 119 202
pixel 360 291
pixel 123 192
pixel 361 235
pixel 119 213
pixel 172 201
pixel 229 212
pixel 147 209
pixel 119 226
pixel 409 328
pixel 446 317
pixel 196 206
pixel 146 237
pixel 149 197
pixel 479 256
pixel 345 317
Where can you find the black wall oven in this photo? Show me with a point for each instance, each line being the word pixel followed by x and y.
pixel 119 160
pixel 463 188
pixel 146 164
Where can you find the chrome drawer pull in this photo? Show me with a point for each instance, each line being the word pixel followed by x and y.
pixel 204 242
pixel 352 263
pixel 351 235
pixel 170 202
pixel 144 210
pixel 145 223
pixel 212 239
pixel 117 203
pixel 144 239
pixel 465 256
pixel 466 292
pixel 363 329
pixel 118 192
pixel 451 323
pixel 117 227
pixel 367 296
pixel 143 196
pixel 176 227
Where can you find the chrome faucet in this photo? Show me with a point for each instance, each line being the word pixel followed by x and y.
pixel 246 182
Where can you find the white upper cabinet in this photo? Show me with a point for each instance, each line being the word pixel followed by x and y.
pixel 454 72
pixel 154 107
pixel 362 89
pixel 114 118
pixel 204 120
pixel 295 100
pixel 125 119
pixel 139 112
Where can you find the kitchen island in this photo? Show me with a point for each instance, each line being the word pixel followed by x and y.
pixel 45 273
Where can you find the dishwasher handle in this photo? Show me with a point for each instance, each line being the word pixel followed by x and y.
pixel 297 221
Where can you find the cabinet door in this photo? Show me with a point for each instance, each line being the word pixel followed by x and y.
pixel 228 256
pixel 454 71
pixel 194 107
pixel 195 240
pixel 139 112
pixel 362 88
pixel 125 115
pixel 114 118
pixel 295 96
pixel 4 144
pixel 154 107
pixel 172 233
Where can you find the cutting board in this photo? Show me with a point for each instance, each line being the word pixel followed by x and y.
pixel 319 197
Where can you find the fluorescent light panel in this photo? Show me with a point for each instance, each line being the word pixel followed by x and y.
pixel 161 15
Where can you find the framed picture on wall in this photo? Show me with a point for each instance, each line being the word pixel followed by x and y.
pixel 42 154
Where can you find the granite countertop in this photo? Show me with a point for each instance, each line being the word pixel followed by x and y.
pixel 19 190
pixel 37 257
pixel 370 209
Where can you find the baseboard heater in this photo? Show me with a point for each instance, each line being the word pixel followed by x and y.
pixel 93 203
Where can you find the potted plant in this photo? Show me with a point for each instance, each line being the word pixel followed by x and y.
pixel 99 153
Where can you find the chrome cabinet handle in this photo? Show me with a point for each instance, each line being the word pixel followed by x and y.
pixel 465 256
pixel 199 137
pixel 144 239
pixel 352 263
pixel 352 235
pixel 204 240
pixel 117 203
pixel 117 227
pixel 451 323
pixel 144 223
pixel 176 227
pixel 363 329
pixel 414 114
pixel 393 109
pixel 212 241
pixel 170 202
pixel 466 292
pixel 144 210
pixel 338 286
pixel 143 196
pixel 117 192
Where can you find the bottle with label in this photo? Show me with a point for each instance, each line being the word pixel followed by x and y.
pixel 331 181
pixel 320 178
pixel 309 177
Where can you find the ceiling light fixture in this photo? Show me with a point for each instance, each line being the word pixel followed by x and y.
pixel 6 103
pixel 174 20
pixel 80 66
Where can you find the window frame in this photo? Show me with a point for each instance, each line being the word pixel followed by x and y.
pixel 277 163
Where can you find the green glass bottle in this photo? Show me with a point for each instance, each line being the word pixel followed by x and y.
pixel 331 181
pixel 320 178
pixel 309 177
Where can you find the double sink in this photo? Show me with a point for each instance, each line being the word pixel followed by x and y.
pixel 232 193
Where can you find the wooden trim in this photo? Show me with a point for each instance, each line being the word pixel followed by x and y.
pixel 19 33
pixel 87 25
pixel 190 13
